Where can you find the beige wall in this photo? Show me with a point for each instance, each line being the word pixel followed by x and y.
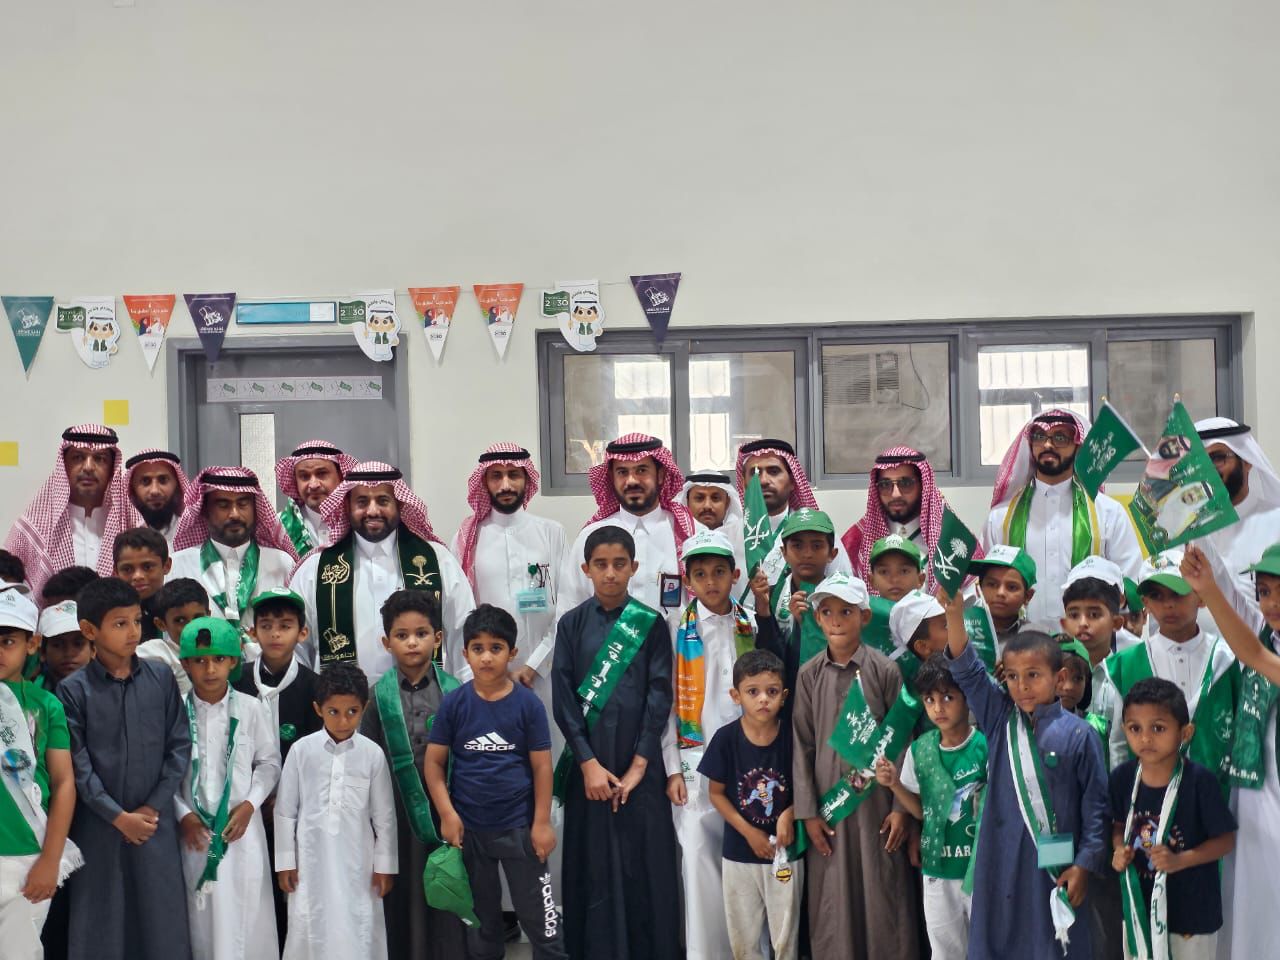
pixel 853 162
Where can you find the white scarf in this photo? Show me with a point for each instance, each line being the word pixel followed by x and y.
pixel 271 695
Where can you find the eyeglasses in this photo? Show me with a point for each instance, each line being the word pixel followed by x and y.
pixel 1220 458
pixel 1058 440
pixel 905 485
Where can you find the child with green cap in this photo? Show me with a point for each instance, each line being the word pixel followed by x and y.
pixel 897 567
pixel 1006 584
pixel 235 764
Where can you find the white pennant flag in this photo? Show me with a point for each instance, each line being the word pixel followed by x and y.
pixel 95 332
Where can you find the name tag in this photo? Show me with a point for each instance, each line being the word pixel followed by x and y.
pixel 669 588
pixel 1055 850
pixel 533 600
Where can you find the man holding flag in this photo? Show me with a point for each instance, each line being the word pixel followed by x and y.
pixel 1040 505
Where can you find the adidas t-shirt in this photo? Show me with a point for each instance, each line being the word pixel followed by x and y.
pixel 492 782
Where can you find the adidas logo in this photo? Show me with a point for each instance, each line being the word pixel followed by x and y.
pixel 488 743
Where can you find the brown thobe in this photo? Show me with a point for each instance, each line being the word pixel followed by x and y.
pixel 863 902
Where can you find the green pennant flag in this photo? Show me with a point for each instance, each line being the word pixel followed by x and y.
pixel 757 532
pixel 28 316
pixel 1181 497
pixel 1109 441
pixel 71 318
pixel 956 545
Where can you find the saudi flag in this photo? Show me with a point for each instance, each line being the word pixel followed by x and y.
pixel 757 532
pixel 1108 442
pixel 956 546
pixel 1181 496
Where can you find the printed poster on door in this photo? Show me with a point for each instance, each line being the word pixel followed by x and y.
pixel 150 316
pixel 374 323
pixel 93 328
pixel 499 302
pixel 434 306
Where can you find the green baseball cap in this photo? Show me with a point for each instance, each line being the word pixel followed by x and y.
pixel 279 593
pixel 1012 558
pixel 1071 645
pixel 1269 562
pixel 209 637
pixel 446 886
pixel 1166 570
pixel 1132 598
pixel 896 543
pixel 806 519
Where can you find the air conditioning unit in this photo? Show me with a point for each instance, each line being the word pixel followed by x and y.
pixel 858 379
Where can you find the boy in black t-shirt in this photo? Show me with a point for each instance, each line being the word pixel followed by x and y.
pixel 748 764
pixel 496 805
pixel 1166 847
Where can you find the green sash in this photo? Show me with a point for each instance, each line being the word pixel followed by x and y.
pixel 403 768
pixel 335 609
pixel 1146 927
pixel 611 661
pixel 216 821
pixel 876 633
pixel 1085 535
pixel 296 528
pixel 248 577
pixel 949 837
pixel 1246 766
pixel 812 640
pixel 981 631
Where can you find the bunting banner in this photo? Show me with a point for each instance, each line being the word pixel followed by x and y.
pixel 500 302
pixel 28 316
pixel 374 322
pixel 150 316
pixel 576 307
pixel 435 306
pixel 657 295
pixel 211 313
pixel 1108 442
pixel 1180 497
pixel 94 330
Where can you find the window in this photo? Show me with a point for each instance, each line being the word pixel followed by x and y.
pixel 1017 381
pixel 1143 376
pixel 735 398
pixel 607 396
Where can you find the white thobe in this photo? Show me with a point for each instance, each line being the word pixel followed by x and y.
pixel 699 826
pixel 1242 544
pixel 317 529
pixel 163 650
pixel 224 577
pixel 1049 543
pixel 335 819
pixel 376 575
pixel 235 919
pixel 86 533
pixel 655 553
pixel 169 530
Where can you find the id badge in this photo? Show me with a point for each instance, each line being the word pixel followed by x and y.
pixel 669 588
pixel 533 600
pixel 1055 850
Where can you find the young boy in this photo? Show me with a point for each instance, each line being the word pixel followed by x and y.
pixel 1053 834
pixel 862 898
pixel 1171 829
pixel 1201 665
pixel 1007 580
pixel 66 584
pixel 1091 598
pixel 707 636
pixel 748 768
pixel 1074 683
pixel 63 648
pixel 897 567
pixel 12 569
pixel 1135 617
pixel 235 763
pixel 940 784
pixel 497 807
pixel 335 819
pixel 39 792
pixel 129 902
pixel 621 886
pixel 405 706
pixel 173 606
pixel 141 558
pixel 918 626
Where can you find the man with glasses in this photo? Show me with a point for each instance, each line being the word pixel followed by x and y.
pixel 903 499
pixel 1040 506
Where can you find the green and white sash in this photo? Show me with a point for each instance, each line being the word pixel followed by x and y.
pixel 611 661
pixel 209 557
pixel 18 763
pixel 1146 928
pixel 335 589
pixel 1086 537
pixel 296 527
pixel 215 820
pixel 404 770
pixel 1036 806
pixel 951 783
pixel 1246 766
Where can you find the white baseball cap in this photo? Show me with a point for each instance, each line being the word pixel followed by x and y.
pixel 59 619
pixel 17 610
pixel 909 612
pixel 707 543
pixel 847 588
pixel 1097 568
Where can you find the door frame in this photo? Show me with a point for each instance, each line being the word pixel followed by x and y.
pixel 182 352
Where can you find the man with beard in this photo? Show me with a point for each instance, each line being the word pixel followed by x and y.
pixel 229 539
pixel 307 476
pixel 75 517
pixel 713 502
pixel 382 542
pixel 635 488
pixel 158 488
pixel 1040 506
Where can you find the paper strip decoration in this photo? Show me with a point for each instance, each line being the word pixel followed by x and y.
pixel 95 333
pixel 577 308
pixel 211 313
pixel 499 302
pixel 374 322
pixel 657 294
pixel 150 316
pixel 28 316
pixel 435 306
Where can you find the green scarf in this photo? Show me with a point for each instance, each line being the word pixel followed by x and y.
pixel 217 820
pixel 296 528
pixel 403 767
pixel 1085 535
pixel 812 640
pixel 611 661
pixel 949 837
pixel 248 577
pixel 335 608
pixel 1246 766
pixel 876 633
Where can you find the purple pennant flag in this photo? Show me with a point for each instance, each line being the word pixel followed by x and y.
pixel 657 293
pixel 211 312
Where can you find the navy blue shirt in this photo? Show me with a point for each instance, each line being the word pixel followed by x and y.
pixel 1200 814
pixel 757 781
pixel 492 782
